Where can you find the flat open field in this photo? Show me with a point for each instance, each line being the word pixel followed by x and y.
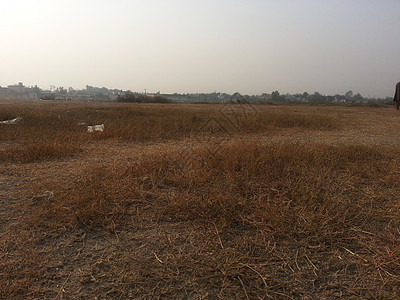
pixel 185 201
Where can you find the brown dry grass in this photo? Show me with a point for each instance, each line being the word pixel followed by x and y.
pixel 297 203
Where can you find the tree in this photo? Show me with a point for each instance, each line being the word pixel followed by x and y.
pixel 348 95
pixel 275 96
pixel 357 97
pixel 61 90
pixel 317 97
pixel 128 97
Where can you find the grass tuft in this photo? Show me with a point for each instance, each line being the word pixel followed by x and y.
pixel 38 152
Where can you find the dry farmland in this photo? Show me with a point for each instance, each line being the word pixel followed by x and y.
pixel 191 201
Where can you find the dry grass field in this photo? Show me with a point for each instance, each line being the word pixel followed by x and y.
pixel 185 201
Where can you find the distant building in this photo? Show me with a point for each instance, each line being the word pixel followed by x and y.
pixel 17 91
pixel 17 88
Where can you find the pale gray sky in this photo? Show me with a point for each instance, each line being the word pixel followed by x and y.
pixel 249 46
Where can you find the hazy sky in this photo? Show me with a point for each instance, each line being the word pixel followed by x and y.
pixel 248 46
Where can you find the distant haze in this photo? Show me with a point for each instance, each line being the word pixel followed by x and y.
pixel 246 46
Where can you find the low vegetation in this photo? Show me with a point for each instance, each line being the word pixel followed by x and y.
pixel 132 98
pixel 61 131
pixel 40 151
pixel 260 219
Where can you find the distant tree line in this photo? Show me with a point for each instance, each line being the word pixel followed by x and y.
pixel 316 97
pixel 132 98
pixel 91 93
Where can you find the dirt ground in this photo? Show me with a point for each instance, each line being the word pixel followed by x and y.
pixel 81 263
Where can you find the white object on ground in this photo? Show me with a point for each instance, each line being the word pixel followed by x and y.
pixel 12 121
pixel 95 128
pixel 46 195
